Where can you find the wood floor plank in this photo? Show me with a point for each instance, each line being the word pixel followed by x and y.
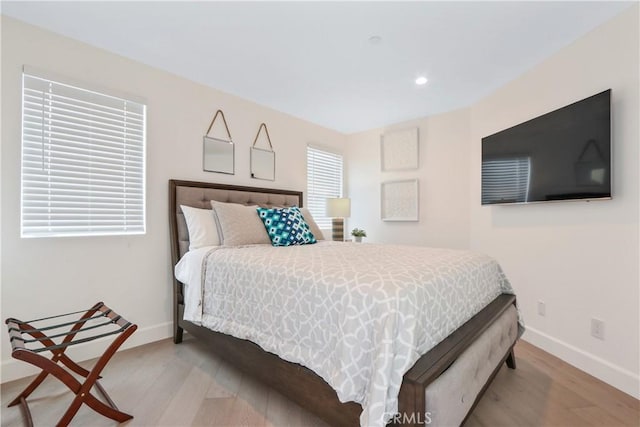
pixel 187 399
pixel 280 412
pixel 226 382
pixel 250 405
pixel 184 385
pixel 214 412
pixel 609 399
pixel 244 415
pixel 151 399
pixel 595 416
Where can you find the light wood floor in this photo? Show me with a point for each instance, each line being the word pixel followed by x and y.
pixel 163 384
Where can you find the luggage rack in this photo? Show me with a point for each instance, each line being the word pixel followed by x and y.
pixel 101 322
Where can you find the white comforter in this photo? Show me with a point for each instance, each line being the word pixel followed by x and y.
pixel 359 315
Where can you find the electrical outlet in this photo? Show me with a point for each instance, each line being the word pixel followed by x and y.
pixel 542 308
pixel 597 328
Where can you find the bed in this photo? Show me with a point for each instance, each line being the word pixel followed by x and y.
pixel 440 388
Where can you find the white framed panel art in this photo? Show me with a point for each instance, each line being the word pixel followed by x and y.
pixel 399 150
pixel 400 200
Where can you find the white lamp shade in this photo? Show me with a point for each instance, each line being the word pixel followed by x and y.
pixel 339 207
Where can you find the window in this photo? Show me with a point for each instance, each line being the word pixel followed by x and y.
pixel 324 180
pixel 506 180
pixel 83 167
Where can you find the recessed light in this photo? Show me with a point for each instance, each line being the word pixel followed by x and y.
pixel 375 39
pixel 421 80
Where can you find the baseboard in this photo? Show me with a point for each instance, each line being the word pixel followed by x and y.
pixel 613 375
pixel 14 369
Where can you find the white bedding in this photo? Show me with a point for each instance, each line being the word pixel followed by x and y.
pixel 189 271
pixel 359 315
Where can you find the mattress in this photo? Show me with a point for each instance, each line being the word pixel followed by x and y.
pixel 359 315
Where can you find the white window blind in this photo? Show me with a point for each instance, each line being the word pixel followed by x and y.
pixel 83 161
pixel 324 180
pixel 505 180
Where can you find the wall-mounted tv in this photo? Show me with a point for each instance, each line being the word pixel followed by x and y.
pixel 561 155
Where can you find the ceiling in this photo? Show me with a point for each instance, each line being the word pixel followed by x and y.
pixel 314 60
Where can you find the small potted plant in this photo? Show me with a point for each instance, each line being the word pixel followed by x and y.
pixel 358 234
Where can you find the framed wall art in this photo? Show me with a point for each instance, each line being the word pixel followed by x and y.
pixel 400 200
pixel 218 154
pixel 399 150
pixel 263 161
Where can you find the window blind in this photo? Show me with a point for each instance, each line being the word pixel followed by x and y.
pixel 83 161
pixel 506 180
pixel 324 180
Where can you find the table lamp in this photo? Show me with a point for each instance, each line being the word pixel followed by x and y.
pixel 338 209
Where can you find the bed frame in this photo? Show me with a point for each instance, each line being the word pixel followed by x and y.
pixel 294 381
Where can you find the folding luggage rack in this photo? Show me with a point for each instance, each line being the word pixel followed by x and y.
pixel 101 322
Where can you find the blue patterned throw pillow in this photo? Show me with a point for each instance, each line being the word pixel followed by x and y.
pixel 286 226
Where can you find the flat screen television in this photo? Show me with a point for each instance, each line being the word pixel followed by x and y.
pixel 561 155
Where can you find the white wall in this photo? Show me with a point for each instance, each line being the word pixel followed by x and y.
pixel 580 258
pixel 132 274
pixel 443 183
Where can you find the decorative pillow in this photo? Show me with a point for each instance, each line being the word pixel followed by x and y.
pixel 239 224
pixel 315 230
pixel 201 226
pixel 286 226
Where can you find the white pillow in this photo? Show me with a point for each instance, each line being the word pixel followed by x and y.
pixel 202 228
pixel 315 230
pixel 239 224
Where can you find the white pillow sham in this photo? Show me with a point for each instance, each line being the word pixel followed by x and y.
pixel 239 224
pixel 315 230
pixel 202 228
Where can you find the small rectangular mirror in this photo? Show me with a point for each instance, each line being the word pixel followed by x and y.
pixel 263 164
pixel 218 155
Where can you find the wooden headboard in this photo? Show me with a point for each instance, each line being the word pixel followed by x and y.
pixel 199 195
